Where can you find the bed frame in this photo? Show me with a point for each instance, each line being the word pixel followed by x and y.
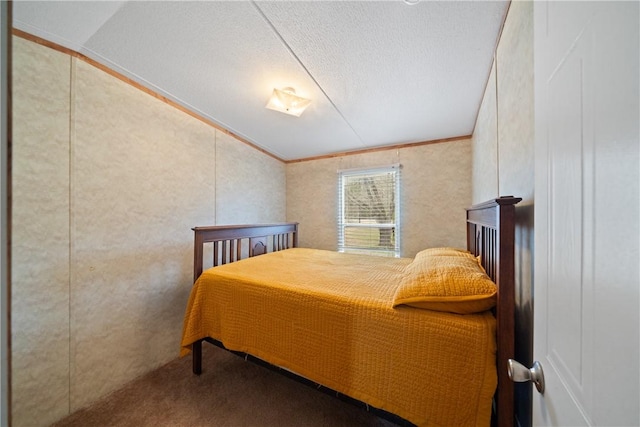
pixel 490 235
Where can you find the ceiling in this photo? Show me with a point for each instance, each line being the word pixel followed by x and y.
pixel 378 73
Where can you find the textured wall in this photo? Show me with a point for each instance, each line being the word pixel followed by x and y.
pixel 108 182
pixel 142 176
pixel 5 303
pixel 436 187
pixel 249 184
pixel 504 143
pixel 485 145
pixel 40 234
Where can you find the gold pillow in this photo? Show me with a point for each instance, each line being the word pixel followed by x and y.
pixel 451 283
pixel 442 252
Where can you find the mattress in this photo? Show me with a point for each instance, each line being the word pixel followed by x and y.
pixel 329 317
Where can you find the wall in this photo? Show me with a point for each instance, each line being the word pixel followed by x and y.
pixel 485 145
pixel 107 183
pixel 435 190
pixel 5 137
pixel 503 164
pixel 259 179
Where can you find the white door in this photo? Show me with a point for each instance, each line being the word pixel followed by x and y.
pixel 587 283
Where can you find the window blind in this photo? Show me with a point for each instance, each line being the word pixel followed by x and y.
pixel 369 211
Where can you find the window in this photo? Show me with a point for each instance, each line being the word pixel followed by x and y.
pixel 369 211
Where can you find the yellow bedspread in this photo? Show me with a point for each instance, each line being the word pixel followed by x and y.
pixel 328 316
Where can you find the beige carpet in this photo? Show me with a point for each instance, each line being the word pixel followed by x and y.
pixel 230 392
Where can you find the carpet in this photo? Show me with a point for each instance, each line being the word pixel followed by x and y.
pixel 230 392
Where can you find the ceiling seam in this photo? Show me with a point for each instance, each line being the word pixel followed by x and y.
pixel 85 42
pixel 306 70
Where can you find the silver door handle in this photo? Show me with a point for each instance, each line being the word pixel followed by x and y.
pixel 521 374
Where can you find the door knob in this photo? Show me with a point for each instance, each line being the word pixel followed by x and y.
pixel 521 374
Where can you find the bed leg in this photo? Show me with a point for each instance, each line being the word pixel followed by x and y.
pixel 196 352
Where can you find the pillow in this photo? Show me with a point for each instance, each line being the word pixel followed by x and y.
pixel 450 252
pixel 479 259
pixel 443 251
pixel 451 283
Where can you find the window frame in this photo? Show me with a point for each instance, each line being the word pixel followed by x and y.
pixel 396 225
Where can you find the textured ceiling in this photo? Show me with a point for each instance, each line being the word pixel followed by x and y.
pixel 379 73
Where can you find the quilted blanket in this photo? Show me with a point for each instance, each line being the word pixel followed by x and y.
pixel 328 316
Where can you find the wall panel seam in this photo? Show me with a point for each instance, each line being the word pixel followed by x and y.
pixel 497 127
pixel 72 135
pixel 215 174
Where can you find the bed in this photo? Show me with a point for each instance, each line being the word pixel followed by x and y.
pixel 362 325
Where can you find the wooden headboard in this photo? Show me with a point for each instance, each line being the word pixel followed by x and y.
pixel 232 242
pixel 491 235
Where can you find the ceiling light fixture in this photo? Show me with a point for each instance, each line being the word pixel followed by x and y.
pixel 286 101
